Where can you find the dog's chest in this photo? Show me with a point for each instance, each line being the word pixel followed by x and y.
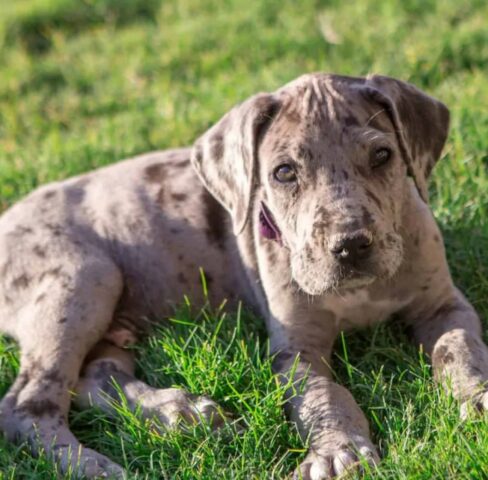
pixel 361 309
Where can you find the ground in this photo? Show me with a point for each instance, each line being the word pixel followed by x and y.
pixel 85 83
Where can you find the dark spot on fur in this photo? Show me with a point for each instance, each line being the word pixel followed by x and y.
pixel 21 230
pixel 113 212
pixel 448 358
pixel 367 217
pixel 175 230
pixel 55 229
pixel 40 298
pixel 160 196
pixel 154 173
pixel 390 239
pixel 39 408
pixel 216 219
pixel 437 238
pixel 181 164
pixel 351 121
pixel 179 197
pixel 54 272
pixel 22 281
pixel 425 288
pixel 305 153
pixel 63 320
pixel 345 175
pixel 54 376
pixel 322 223
pixel 49 194
pixel 76 193
pixel 270 251
pixel 5 268
pixel 180 256
pixel 442 356
pixel 39 251
pixel 217 146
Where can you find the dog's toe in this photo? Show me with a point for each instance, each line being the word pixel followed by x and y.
pixel 210 411
pixel 175 408
pixel 476 404
pixel 86 463
pixel 325 465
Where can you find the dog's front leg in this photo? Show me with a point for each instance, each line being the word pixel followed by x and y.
pixel 451 335
pixel 325 412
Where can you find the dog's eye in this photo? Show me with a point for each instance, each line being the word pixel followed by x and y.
pixel 380 157
pixel 285 173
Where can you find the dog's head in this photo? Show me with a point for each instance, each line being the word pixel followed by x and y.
pixel 328 158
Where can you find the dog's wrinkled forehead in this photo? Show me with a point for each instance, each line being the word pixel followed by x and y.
pixel 319 116
pixel 317 99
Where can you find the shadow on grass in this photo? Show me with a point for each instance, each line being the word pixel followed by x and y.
pixel 35 29
pixel 466 248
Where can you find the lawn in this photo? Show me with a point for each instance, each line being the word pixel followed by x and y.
pixel 84 83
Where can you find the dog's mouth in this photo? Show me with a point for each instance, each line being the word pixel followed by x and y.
pixel 267 225
pixel 333 284
pixel 354 279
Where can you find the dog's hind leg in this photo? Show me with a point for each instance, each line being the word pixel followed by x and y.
pixel 109 373
pixel 67 312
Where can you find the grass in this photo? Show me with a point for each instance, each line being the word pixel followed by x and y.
pixel 85 83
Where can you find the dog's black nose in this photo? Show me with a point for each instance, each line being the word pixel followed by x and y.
pixel 349 248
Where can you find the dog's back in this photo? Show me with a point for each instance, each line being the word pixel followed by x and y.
pixel 150 215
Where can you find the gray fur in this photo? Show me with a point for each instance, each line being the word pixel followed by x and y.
pixel 88 264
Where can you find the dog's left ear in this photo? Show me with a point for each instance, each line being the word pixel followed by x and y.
pixel 421 123
pixel 225 157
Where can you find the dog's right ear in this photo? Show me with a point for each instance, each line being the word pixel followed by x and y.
pixel 421 123
pixel 225 157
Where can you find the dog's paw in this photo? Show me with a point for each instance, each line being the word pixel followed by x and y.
pixel 175 407
pixel 86 463
pixel 333 463
pixel 476 404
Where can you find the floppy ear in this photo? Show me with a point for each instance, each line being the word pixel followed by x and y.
pixel 421 123
pixel 225 157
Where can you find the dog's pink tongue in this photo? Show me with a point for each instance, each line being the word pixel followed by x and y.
pixel 267 227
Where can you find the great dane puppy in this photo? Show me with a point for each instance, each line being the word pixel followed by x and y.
pixel 309 203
